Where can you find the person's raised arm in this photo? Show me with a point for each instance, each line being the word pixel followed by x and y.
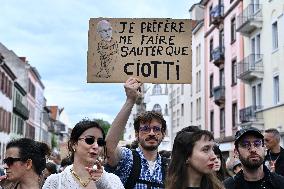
pixel 131 87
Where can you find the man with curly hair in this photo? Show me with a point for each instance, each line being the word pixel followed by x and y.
pixel 150 128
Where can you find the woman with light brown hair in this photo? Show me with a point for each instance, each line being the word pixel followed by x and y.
pixel 192 161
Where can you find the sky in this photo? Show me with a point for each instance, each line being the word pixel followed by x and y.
pixel 53 35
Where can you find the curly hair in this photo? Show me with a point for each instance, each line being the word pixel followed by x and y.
pixel 148 116
pixel 30 149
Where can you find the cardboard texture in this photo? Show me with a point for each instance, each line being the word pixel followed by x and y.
pixel 153 50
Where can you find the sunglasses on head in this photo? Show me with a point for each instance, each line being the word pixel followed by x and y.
pixel 91 139
pixel 10 160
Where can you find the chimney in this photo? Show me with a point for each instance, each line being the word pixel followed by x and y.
pixel 24 59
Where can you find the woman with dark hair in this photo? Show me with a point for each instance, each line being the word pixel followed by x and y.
pixel 25 159
pixel 192 161
pixel 219 165
pixel 86 144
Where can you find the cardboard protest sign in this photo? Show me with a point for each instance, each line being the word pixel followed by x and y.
pixel 153 50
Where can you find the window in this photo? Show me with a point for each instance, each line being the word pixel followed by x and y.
pixel 222 77
pixel 182 89
pixel 222 41
pixel 210 17
pixel 198 81
pixel 157 108
pixel 31 88
pixel 274 36
pixel 212 121
pixel 234 115
pixel 222 119
pixel 182 110
pixel 198 108
pixel 157 89
pixel 233 30
pixel 255 47
pixel 191 112
pixel 257 95
pixel 234 72
pixel 276 89
pixel 198 54
pixel 211 85
pixel 166 110
pixel 211 49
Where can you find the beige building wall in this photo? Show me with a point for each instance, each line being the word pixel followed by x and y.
pixel 271 47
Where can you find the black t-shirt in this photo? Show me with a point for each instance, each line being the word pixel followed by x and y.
pixel 274 156
pixel 193 188
pixel 256 184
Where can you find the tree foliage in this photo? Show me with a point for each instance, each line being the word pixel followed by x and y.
pixel 104 124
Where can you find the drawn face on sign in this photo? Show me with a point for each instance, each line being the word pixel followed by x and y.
pixel 105 30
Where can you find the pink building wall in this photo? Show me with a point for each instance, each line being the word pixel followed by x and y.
pixel 233 93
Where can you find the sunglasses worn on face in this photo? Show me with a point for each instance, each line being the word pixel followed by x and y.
pixel 248 144
pixel 147 129
pixel 90 140
pixel 10 160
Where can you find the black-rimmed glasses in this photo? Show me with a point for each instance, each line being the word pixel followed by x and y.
pixel 10 160
pixel 147 129
pixel 91 139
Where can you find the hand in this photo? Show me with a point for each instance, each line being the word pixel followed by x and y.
pixel 132 86
pixel 97 172
pixel 3 177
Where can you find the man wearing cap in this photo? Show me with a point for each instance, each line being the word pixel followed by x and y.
pixel 249 146
pixel 237 166
pixel 274 159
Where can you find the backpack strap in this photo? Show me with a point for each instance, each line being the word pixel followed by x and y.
pixel 164 167
pixel 135 171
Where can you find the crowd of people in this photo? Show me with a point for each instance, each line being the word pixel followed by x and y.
pixel 96 161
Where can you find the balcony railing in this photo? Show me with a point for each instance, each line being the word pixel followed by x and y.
pixel 218 56
pixel 219 95
pixel 217 14
pixel 250 19
pixel 250 68
pixel 21 109
pixel 248 114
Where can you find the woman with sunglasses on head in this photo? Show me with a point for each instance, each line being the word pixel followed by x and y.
pixel 192 161
pixel 86 144
pixel 25 159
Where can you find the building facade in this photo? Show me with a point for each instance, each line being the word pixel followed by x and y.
pixel 223 49
pixel 262 70
pixel 7 78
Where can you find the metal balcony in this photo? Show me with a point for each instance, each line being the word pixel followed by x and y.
pixel 20 109
pixel 219 95
pixel 250 117
pixel 218 56
pixel 217 14
pixel 250 19
pixel 251 68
